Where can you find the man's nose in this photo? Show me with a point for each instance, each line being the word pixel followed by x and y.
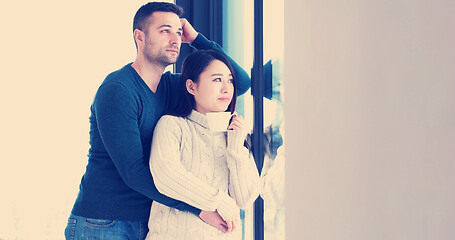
pixel 175 39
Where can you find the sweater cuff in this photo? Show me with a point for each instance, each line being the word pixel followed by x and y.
pixel 235 140
pixel 193 210
pixel 201 42
pixel 227 206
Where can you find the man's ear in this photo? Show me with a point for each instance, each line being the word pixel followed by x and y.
pixel 139 36
pixel 190 86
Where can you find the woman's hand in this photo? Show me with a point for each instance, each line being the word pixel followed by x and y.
pixel 237 123
pixel 232 224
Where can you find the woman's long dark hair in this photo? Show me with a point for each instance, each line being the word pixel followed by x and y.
pixel 192 67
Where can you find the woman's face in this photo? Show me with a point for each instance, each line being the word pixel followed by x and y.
pixel 214 91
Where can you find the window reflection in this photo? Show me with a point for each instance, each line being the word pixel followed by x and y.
pixel 273 169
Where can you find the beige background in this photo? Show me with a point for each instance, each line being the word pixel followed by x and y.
pixel 371 119
pixel 54 54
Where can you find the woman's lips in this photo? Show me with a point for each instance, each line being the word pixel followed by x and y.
pixel 224 99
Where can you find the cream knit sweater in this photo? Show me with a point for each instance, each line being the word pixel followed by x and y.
pixel 208 170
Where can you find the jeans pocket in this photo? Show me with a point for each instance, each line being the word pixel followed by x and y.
pixel 102 229
pixel 99 223
pixel 70 229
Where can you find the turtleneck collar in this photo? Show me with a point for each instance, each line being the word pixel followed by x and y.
pixel 199 118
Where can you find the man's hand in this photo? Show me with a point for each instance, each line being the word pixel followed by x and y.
pixel 214 219
pixel 189 33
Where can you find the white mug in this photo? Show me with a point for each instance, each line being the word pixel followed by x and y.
pixel 218 121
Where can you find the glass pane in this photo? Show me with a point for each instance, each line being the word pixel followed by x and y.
pixel 273 170
pixel 238 41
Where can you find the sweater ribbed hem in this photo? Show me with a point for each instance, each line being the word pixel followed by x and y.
pixel 112 211
pixel 201 42
pixel 235 140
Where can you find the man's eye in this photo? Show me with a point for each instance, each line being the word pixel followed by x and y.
pixel 179 34
pixel 165 31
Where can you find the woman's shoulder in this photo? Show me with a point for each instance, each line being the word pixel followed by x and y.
pixel 170 121
pixel 169 125
pixel 168 117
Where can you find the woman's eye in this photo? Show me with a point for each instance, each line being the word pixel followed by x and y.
pixel 231 80
pixel 217 80
pixel 165 30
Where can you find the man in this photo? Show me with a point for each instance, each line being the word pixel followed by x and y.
pixel 117 188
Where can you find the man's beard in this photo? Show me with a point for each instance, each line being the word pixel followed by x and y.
pixel 160 57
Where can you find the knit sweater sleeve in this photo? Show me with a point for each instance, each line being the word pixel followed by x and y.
pixel 244 181
pixel 172 179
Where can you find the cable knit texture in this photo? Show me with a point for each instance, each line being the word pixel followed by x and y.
pixel 208 170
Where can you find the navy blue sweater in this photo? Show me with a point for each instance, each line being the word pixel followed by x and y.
pixel 117 184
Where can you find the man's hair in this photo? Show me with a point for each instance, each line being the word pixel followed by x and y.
pixel 192 67
pixel 141 19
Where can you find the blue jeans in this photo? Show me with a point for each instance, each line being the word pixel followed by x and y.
pixel 81 228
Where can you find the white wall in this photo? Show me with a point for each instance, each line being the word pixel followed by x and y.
pixel 370 119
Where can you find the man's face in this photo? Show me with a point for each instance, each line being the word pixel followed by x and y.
pixel 163 38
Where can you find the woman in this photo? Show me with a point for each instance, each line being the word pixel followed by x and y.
pixel 209 170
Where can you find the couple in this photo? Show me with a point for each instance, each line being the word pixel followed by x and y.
pixel 200 178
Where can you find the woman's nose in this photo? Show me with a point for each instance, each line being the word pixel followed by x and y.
pixel 225 88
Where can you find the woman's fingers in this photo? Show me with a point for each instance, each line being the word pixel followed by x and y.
pixel 229 226
pixel 236 123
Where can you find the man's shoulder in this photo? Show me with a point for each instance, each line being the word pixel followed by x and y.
pixel 120 75
pixel 119 80
pixel 170 76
